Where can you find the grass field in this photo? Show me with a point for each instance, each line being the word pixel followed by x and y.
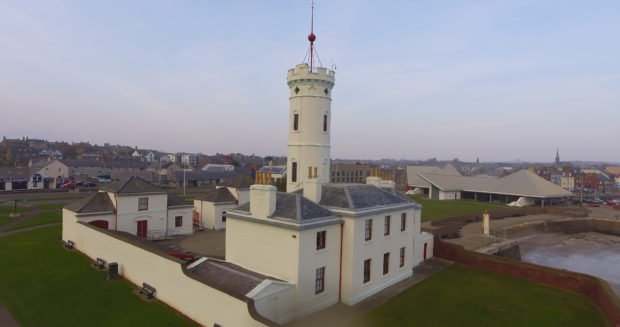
pixel 51 206
pixel 439 209
pixel 5 218
pixel 61 197
pixel 9 209
pixel 43 284
pixel 40 219
pixel 461 296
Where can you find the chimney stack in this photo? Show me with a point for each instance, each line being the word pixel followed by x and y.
pixel 262 196
pixel 313 186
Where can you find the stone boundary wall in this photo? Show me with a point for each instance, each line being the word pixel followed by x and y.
pixel 595 289
pixel 568 226
pixel 203 303
pixel 470 218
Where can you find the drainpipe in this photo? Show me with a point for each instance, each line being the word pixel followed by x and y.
pixel 166 233
pixel 340 272
pixel 115 213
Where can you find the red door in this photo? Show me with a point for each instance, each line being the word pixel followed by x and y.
pixel 425 246
pixel 142 228
pixel 100 223
pixel 196 219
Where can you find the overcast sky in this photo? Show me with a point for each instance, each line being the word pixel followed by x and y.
pixel 498 80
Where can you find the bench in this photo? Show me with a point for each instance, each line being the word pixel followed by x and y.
pixel 69 244
pixel 99 263
pixel 148 290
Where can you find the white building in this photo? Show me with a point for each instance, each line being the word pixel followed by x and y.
pixel 133 206
pixel 211 208
pixel 309 123
pixel 287 254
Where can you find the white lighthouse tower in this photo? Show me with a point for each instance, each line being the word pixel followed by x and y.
pixel 309 121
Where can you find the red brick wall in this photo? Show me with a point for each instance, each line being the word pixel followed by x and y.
pixel 591 287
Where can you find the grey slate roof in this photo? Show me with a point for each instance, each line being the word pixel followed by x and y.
pixel 205 175
pixel 175 201
pixel 221 194
pixel 96 202
pixel 12 172
pixel 274 169
pixel 131 186
pixel 238 182
pixel 229 277
pixel 361 196
pixel 294 206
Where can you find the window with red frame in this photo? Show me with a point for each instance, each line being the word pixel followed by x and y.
pixel 366 270
pixel 402 257
pixel 319 284
pixel 386 263
pixel 178 221
pixel 386 225
pixel 320 240
pixel 368 230
pixel 403 221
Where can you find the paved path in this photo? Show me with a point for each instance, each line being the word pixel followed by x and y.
pixel 341 314
pixel 6 319
pixel 2 234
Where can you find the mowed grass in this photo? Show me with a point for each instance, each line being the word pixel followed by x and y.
pixel 462 296
pixel 40 219
pixel 439 209
pixel 5 218
pixel 43 284
pixel 9 209
pixel 60 197
pixel 51 206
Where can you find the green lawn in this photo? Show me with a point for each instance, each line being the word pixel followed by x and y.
pixel 51 206
pixel 461 296
pixel 60 197
pixel 9 209
pixel 5 218
pixel 43 284
pixel 439 209
pixel 40 219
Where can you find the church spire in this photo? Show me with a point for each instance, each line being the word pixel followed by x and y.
pixel 557 156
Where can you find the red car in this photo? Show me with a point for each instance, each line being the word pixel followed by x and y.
pixel 70 185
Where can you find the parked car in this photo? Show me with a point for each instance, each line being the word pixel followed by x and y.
pixel 609 203
pixel 90 184
pixel 598 201
pixel 70 185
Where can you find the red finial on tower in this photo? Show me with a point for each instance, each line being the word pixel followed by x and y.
pixel 311 37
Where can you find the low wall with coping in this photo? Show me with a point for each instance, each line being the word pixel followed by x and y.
pixel 201 302
pixel 568 226
pixel 595 289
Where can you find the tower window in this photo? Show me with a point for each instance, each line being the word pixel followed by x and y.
pixel 326 91
pixel 296 122
pixel 324 123
pixel 296 90
pixel 294 175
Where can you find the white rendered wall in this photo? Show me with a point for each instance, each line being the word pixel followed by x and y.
pixel 309 260
pixel 309 145
pixel 356 250
pixel 186 225
pixel 198 301
pixel 211 213
pixel 128 214
pixel 268 250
